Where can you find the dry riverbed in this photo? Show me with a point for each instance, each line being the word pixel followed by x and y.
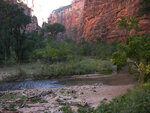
pixel 50 100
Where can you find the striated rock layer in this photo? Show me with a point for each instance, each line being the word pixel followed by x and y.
pixel 101 16
pixel 71 17
pixel 93 19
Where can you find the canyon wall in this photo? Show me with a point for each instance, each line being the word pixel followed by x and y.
pixel 71 17
pixel 101 16
pixel 93 19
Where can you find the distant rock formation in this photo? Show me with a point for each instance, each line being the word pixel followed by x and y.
pixel 71 17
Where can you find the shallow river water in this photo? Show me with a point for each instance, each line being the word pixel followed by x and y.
pixel 106 80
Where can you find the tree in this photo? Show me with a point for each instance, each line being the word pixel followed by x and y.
pixel 18 29
pixel 145 7
pixel 13 23
pixel 136 52
pixel 128 23
pixel 4 30
pixel 55 28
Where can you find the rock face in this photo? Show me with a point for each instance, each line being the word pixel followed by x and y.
pixel 93 19
pixel 71 17
pixel 101 16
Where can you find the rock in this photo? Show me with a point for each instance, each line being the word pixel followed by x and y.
pixel 93 90
pixel 101 16
pixel 98 18
pixel 71 17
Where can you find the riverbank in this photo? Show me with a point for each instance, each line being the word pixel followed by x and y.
pixel 51 100
pixel 42 71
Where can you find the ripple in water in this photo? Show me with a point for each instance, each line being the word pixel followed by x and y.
pixel 29 84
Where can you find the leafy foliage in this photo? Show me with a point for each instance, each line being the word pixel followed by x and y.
pixel 55 28
pixel 128 23
pixel 136 101
pixel 74 67
pixel 145 7
pixel 56 51
pixel 136 52
pixel 13 23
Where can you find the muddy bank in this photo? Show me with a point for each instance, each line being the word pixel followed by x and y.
pixel 50 100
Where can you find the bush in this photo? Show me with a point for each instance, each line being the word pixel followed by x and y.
pixel 75 67
pixel 66 109
pixel 20 74
pixel 145 7
pixel 57 51
pixel 136 101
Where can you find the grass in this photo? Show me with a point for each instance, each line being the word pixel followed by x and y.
pixel 79 67
pixel 60 102
pixel 39 71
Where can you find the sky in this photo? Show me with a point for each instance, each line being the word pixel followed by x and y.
pixel 43 8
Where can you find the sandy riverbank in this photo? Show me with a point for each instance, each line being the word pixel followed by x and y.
pixel 74 95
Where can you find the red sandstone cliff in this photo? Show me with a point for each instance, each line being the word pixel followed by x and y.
pixel 92 19
pixel 71 17
pixel 101 16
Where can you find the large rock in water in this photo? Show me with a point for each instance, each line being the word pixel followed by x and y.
pixel 93 19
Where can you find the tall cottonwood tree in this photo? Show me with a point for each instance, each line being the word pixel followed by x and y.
pixel 13 23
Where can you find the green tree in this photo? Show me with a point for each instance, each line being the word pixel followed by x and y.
pixel 4 30
pixel 13 24
pixel 55 28
pixel 136 52
pixel 145 7
pixel 128 23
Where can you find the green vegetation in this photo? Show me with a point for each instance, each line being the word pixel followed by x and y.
pixel 54 29
pixel 11 101
pixel 54 57
pixel 74 67
pixel 66 109
pixel 57 51
pixel 136 52
pixel 47 71
pixel 135 101
pixel 60 102
pixel 145 7
pixel 20 74
pixel 13 23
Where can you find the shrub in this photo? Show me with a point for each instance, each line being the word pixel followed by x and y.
pixel 66 109
pixel 136 101
pixel 75 67
pixel 20 74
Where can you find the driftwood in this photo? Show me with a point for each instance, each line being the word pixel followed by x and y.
pixel 41 94
pixel 26 100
